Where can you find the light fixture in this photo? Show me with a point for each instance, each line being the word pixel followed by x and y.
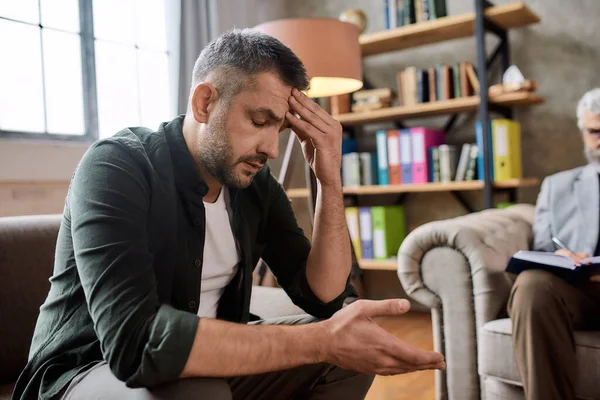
pixel 327 47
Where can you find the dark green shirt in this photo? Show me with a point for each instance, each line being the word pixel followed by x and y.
pixel 127 274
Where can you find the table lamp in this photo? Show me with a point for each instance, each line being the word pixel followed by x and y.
pixel 327 47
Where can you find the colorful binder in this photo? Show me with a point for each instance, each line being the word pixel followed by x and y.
pixel 506 136
pixel 405 156
pixel 366 232
pixel 393 151
pixel 352 221
pixel 389 230
pixel 422 139
pixel 382 164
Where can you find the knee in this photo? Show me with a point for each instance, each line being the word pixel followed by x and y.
pixel 185 389
pixel 532 293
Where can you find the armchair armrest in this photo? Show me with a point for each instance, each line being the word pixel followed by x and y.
pixel 456 268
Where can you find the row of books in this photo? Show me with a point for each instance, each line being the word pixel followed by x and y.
pixel 442 82
pixel 420 155
pixel 376 232
pixel 406 12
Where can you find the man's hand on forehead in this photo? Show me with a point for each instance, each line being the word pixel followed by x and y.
pixel 320 135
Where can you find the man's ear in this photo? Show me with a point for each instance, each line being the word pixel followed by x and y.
pixel 203 100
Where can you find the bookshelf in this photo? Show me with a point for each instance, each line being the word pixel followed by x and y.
pixel 452 106
pixel 379 265
pixel 514 15
pixel 422 188
pixel 485 19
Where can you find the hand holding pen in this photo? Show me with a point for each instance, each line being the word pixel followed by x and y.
pixel 563 250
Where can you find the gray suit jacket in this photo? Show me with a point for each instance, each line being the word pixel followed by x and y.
pixel 568 208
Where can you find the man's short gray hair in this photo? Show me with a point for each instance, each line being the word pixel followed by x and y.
pixel 590 102
pixel 235 57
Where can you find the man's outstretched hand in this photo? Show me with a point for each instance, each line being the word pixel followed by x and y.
pixel 354 341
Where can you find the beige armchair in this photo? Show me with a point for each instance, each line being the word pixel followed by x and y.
pixel 456 267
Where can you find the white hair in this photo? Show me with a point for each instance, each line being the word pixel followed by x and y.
pixel 590 102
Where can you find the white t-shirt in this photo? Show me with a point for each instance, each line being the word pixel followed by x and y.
pixel 220 256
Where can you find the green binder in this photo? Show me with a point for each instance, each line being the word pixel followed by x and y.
pixel 389 230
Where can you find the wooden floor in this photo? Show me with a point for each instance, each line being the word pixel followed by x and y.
pixel 413 328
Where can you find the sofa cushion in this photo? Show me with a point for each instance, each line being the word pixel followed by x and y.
pixel 496 357
pixel 27 246
pixel 269 302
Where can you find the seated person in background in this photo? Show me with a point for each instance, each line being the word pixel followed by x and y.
pixel 160 234
pixel 545 309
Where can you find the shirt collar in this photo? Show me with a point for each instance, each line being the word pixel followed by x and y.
pixel 186 170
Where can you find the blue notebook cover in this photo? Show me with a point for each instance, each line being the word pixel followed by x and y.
pixel 479 142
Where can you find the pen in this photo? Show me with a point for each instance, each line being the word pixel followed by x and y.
pixel 559 243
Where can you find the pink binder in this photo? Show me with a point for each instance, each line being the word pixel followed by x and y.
pixel 422 139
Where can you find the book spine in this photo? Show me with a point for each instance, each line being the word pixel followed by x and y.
pixel 379 233
pixel 406 156
pixel 409 12
pixel 365 169
pixel 382 161
pixel 400 10
pixel 351 170
pixel 393 14
pixel 401 87
pixel 444 151
pixel 425 8
pixel 386 11
pixel 393 150
pixel 463 162
pixel 432 9
pixel 441 8
pixel 352 221
pixel 418 11
pixel 456 79
pixel 432 84
pixel 420 85
pixel 435 161
pixel 366 232
pixel 472 167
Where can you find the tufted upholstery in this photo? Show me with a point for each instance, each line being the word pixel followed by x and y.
pixel 456 268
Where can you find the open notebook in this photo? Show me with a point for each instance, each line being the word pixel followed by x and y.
pixel 560 265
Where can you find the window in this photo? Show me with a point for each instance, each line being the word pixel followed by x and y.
pixel 82 69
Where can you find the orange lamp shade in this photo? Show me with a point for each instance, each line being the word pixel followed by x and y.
pixel 327 47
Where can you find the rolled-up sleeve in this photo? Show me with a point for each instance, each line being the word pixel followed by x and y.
pixel 286 254
pixel 144 342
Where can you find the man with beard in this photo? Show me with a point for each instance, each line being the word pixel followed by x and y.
pixel 545 309
pixel 161 231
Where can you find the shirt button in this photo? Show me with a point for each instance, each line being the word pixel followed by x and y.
pixel 196 222
pixel 197 263
pixel 192 304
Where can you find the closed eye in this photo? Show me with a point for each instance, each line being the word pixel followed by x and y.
pixel 258 125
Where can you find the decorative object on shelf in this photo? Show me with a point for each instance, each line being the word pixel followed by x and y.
pixel 373 99
pixel 339 104
pixel 513 81
pixel 355 17
pixel 323 42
